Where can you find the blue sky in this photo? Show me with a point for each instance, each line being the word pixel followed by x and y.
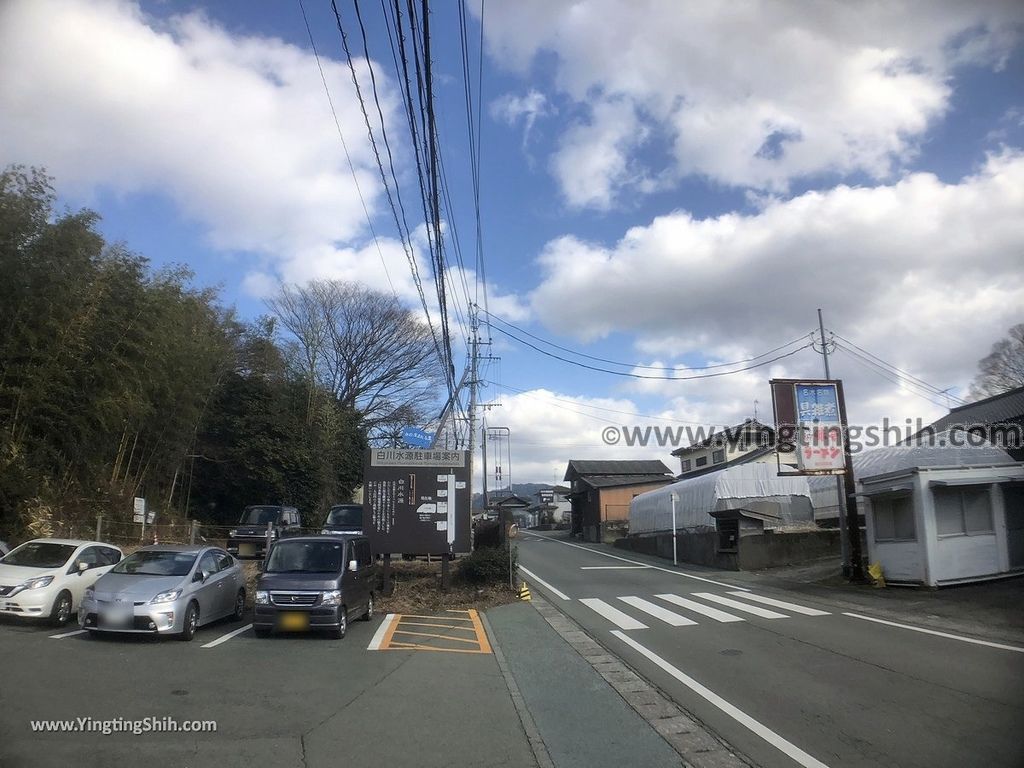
pixel 660 185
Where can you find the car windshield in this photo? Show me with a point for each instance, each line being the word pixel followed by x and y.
pixel 40 554
pixel 345 515
pixel 260 515
pixel 156 563
pixel 305 557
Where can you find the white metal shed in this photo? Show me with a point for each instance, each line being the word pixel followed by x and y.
pixel 940 515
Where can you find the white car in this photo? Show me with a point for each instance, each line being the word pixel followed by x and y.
pixel 46 578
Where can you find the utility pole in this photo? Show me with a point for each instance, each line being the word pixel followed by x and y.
pixel 846 488
pixel 474 383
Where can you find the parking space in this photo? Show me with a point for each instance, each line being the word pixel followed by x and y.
pixel 285 700
pixel 451 632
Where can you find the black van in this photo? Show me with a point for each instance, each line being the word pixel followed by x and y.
pixel 344 518
pixel 249 537
pixel 315 583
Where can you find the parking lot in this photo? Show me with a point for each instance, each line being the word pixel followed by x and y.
pixel 287 700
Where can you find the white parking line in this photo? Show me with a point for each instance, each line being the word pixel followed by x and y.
pixel 637 562
pixel 69 634
pixel 613 614
pixel 543 583
pixel 764 613
pixel 741 717
pixel 780 604
pixel 961 638
pixel 378 636
pixel 670 618
pixel 228 636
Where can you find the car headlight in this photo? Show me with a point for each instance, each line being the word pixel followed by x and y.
pixel 37 583
pixel 262 597
pixel 331 597
pixel 232 533
pixel 167 597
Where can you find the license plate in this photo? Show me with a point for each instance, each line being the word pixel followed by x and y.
pixel 115 618
pixel 294 621
pixel 246 550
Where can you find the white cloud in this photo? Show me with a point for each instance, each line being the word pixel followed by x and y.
pixel 926 275
pixel 235 129
pixel 512 109
pixel 754 98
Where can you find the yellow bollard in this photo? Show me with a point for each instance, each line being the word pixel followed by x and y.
pixel 877 577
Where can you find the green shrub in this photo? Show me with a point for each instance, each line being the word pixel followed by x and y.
pixel 486 533
pixel 487 565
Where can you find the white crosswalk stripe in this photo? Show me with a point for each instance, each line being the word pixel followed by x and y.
pixel 764 613
pixel 673 619
pixel 613 614
pixel 623 620
pixel 780 604
pixel 705 610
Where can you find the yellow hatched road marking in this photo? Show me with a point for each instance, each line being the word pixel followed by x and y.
pixel 400 624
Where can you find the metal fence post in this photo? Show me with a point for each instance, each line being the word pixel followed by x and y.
pixel 192 532
pixel 99 526
pixel 270 539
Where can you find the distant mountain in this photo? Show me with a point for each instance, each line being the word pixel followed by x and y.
pixel 526 490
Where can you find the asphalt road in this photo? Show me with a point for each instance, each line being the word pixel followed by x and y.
pixel 301 701
pixel 791 683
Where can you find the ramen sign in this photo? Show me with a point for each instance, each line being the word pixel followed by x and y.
pixel 809 418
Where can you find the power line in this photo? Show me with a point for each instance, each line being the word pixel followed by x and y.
pixel 645 376
pixel 528 393
pixel 867 362
pixel 647 367
pixel 403 236
pixel 344 146
pixel 901 372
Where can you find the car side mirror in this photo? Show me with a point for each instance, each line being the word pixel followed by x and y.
pixel 83 567
pixel 353 566
pixel 201 576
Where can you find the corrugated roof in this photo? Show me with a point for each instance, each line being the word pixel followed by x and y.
pixel 1008 406
pixel 612 481
pixel 729 434
pixel 881 461
pixel 588 467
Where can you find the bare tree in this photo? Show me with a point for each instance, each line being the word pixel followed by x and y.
pixel 366 349
pixel 1003 368
pixel 301 310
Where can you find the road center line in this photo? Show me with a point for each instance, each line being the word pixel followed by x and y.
pixel 637 562
pixel 378 636
pixel 543 583
pixel 948 635
pixel 715 700
pixel 69 634
pixel 228 636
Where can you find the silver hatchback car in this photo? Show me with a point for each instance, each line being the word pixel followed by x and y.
pixel 166 590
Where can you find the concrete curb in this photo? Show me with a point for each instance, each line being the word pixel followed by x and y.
pixel 695 743
pixel 540 751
